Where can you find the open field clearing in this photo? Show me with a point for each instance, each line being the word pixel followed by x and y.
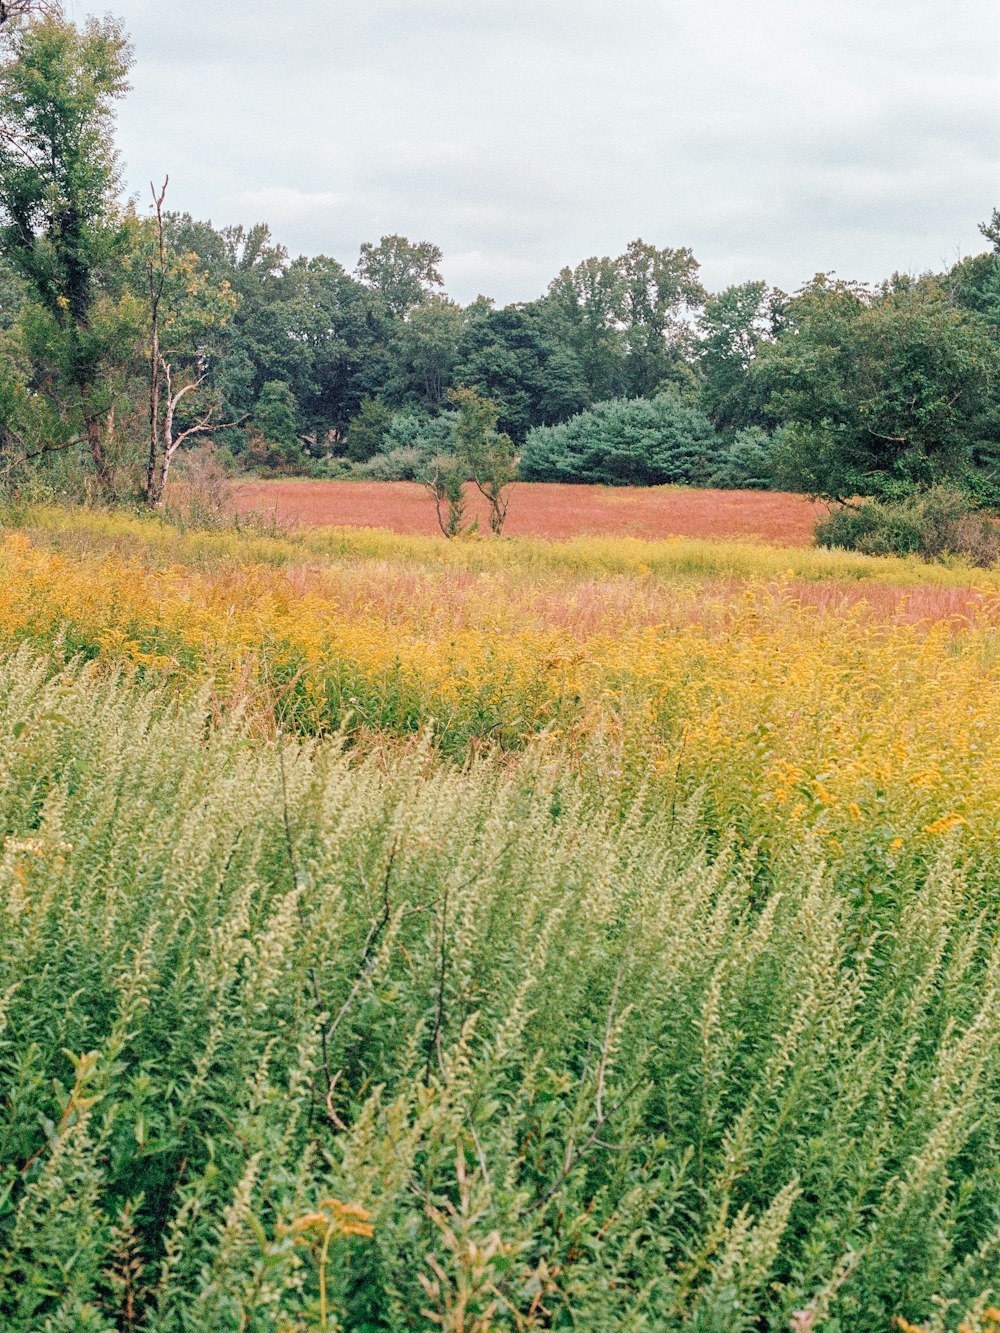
pixel 402 934
pixel 546 509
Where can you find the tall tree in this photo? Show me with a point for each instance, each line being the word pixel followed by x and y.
pixel 188 313
pixel 60 223
pixel 974 282
pixel 401 272
pixel 660 288
pixel 515 357
pixel 423 352
pixel 732 326
pixel 884 392
pixel 586 307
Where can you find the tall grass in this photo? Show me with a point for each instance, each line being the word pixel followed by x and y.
pixel 870 732
pixel 298 1039
pixel 259 540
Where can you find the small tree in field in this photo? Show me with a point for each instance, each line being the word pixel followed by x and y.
pixel 484 454
pixel 444 477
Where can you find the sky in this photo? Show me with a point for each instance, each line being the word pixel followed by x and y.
pixel 776 138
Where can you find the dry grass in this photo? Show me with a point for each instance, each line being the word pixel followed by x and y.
pixel 542 509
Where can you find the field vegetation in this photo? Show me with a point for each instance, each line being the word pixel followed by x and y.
pixel 410 934
pixel 537 509
pixel 479 931
pixel 129 334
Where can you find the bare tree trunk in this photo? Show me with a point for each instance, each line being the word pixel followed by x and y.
pixel 167 447
pixel 168 442
pixel 154 408
pixel 154 489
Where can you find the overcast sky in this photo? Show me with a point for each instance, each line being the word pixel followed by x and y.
pixel 775 138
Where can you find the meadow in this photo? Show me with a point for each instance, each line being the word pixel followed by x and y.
pixel 400 934
pixel 553 510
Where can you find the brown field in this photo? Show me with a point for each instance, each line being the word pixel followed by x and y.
pixel 543 509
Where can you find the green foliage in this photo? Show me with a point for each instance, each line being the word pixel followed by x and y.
pixel 275 415
pixel 732 326
pixel 577 1060
pixel 516 357
pixel 367 430
pixel 423 354
pixel 940 522
pixel 626 442
pixel 400 272
pixel 885 393
pixel 61 229
pixel 444 476
pixel 974 282
pixel 58 173
pixel 747 463
pixel 418 431
pixel 626 319
pixel 273 443
pixel 660 288
pixel 483 453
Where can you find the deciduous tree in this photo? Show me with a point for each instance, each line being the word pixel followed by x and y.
pixel 188 311
pixel 61 226
pixel 401 272
pixel 732 326
pixel 884 392
pixel 485 454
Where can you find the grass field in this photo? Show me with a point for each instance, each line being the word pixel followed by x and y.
pixel 401 934
pixel 547 509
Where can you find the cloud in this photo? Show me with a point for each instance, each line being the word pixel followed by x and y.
pixel 775 139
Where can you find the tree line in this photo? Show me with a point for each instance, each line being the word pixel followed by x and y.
pixel 129 329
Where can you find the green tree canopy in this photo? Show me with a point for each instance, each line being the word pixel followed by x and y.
pixel 515 357
pixel 401 272
pixel 423 352
pixel 884 392
pixel 660 288
pixel 627 442
pixel 732 326
pixel 61 227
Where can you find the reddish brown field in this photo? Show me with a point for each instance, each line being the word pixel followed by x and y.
pixel 543 509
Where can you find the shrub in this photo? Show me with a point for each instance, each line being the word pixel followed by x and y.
pixel 421 432
pixel 873 528
pixel 747 464
pixel 627 442
pixel 939 523
pixel 365 431
pixel 400 464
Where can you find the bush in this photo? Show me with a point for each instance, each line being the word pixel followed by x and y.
pixel 747 464
pixel 627 442
pixel 941 522
pixel 418 431
pixel 400 464
pixel 365 431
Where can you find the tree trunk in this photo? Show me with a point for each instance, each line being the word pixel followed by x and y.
pixel 156 469
pixel 154 414
pixel 95 441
